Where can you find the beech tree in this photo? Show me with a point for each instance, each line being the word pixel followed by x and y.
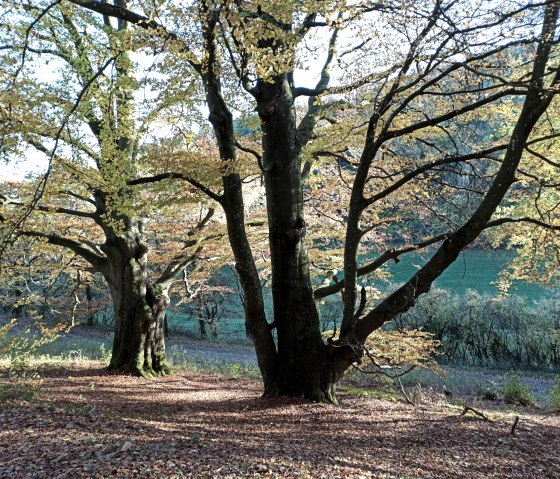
pixel 405 85
pixel 84 120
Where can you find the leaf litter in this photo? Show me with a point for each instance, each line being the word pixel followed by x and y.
pixel 86 422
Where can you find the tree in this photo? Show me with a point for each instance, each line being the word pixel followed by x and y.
pixel 93 199
pixel 423 73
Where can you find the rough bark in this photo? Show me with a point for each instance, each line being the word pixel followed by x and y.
pixel 139 309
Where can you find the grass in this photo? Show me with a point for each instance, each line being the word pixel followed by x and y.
pixel 478 384
pixel 77 349
pixel 178 358
pixel 18 391
pixel 387 394
pixel 516 392
pixel 555 395
pixel 476 269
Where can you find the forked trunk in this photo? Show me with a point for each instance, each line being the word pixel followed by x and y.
pixel 304 366
pixel 139 342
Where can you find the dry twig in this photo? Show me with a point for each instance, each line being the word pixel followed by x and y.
pixel 466 409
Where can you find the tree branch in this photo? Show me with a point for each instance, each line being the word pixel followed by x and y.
pixel 142 21
pixel 5 201
pixel 392 254
pixel 97 261
pixel 180 176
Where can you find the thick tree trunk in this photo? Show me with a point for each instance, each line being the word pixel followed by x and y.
pixel 139 307
pixel 139 342
pixel 304 367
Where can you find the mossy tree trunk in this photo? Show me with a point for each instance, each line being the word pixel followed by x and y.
pixel 139 307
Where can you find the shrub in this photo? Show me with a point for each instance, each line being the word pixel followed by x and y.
pixel 488 391
pixel 20 346
pixel 480 330
pixel 555 395
pixel 517 393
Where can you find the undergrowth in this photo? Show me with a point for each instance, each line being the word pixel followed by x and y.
pixel 517 393
pixel 555 395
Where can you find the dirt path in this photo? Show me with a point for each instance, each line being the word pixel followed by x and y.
pixel 216 352
pixel 87 423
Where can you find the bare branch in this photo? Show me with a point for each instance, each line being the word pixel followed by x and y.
pixel 180 176
pixel 4 201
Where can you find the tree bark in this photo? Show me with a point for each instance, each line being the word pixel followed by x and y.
pixel 303 366
pixel 139 307
pixel 232 202
pixel 90 310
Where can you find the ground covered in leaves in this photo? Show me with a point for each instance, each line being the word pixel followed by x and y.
pixel 84 422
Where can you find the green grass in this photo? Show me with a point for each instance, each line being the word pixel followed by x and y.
pixel 18 391
pixel 476 269
pixel 179 359
pixel 555 395
pixel 77 348
pixel 384 393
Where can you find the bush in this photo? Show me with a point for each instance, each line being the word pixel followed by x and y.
pixel 480 330
pixel 555 395
pixel 19 346
pixel 488 391
pixel 517 393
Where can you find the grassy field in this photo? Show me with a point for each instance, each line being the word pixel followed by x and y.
pixel 476 269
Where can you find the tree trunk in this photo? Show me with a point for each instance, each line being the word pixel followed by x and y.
pixel 139 307
pixel 90 310
pixel 304 368
pixel 201 319
pixel 17 307
pixel 166 332
pixel 256 323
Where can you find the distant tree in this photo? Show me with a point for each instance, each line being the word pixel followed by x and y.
pixel 402 84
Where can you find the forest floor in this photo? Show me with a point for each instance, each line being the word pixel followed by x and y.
pixel 80 421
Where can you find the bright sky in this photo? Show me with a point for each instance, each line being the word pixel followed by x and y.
pixel 16 171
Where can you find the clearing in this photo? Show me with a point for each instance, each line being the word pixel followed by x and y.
pixel 85 422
